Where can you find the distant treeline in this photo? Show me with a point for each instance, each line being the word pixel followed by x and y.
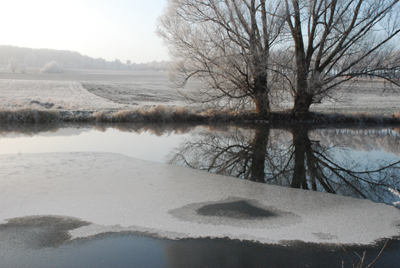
pixel 37 58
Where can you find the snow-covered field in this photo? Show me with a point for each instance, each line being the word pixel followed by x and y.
pixel 374 97
pixel 38 94
pixel 86 90
pixel 89 90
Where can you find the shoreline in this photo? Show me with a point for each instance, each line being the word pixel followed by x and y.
pixel 167 114
pixel 188 252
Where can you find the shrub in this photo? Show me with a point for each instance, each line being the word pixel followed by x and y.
pixel 52 67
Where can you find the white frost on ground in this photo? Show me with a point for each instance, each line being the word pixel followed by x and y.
pixel 99 90
pixel 363 95
pixel 136 93
pixel 119 193
pixel 87 91
pixel 66 95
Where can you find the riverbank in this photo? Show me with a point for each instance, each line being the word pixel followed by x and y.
pixel 166 114
pixel 83 95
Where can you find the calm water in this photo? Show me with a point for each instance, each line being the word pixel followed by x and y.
pixel 133 250
pixel 357 162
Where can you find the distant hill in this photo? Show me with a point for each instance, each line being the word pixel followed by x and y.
pixel 37 58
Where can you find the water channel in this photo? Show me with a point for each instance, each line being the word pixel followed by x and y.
pixel 358 162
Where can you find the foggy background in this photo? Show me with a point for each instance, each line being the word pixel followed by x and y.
pixel 97 34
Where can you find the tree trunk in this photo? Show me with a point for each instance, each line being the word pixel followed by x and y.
pixel 260 143
pixel 302 99
pixel 262 105
pixel 302 103
pixel 261 97
pixel 299 179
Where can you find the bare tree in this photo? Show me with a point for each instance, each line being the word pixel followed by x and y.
pixel 333 41
pixel 117 64
pixel 226 45
pixel 12 65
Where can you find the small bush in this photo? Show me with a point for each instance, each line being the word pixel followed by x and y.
pixel 396 115
pixel 157 113
pixel 22 68
pixel 52 67
pixel 28 116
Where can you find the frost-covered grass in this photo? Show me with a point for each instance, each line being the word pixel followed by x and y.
pixel 28 116
pixel 354 118
pixel 160 113
pixel 157 113
pixel 168 114
pixel 61 95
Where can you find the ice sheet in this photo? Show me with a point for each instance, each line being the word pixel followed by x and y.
pixel 118 193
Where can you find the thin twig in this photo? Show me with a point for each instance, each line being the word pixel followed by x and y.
pixel 378 254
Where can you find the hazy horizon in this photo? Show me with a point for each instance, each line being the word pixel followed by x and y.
pixel 118 29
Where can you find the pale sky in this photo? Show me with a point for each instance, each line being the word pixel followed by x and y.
pixel 110 29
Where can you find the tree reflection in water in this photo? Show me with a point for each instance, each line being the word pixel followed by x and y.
pixel 297 157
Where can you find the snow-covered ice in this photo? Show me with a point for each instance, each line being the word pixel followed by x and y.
pixel 118 193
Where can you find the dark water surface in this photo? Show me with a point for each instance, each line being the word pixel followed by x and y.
pixel 44 242
pixel 352 161
pixel 132 250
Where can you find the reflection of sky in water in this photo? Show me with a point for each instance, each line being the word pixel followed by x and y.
pixel 144 145
pixel 377 154
pixel 365 157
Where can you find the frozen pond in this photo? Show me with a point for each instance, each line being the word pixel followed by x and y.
pixel 70 189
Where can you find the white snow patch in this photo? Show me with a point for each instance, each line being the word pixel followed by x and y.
pixel 119 193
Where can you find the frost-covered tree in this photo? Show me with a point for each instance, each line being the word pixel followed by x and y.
pixel 333 41
pixel 241 52
pixel 224 44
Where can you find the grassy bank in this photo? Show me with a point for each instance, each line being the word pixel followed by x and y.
pixel 168 114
